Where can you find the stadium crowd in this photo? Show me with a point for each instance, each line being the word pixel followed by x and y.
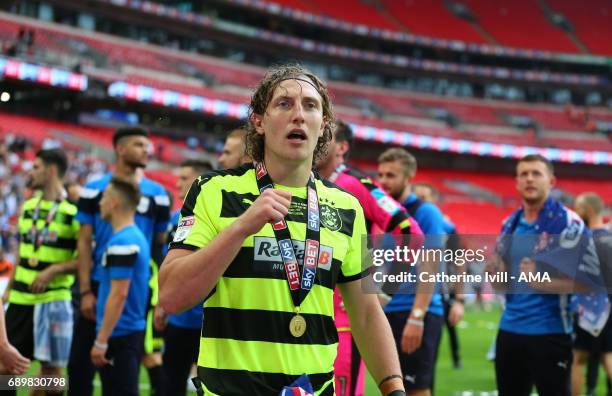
pixel 216 294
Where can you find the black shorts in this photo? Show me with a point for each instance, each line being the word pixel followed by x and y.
pixel 20 328
pixel 522 361
pixel 585 341
pixel 418 367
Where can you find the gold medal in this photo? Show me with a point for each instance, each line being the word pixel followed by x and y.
pixel 297 326
pixel 33 261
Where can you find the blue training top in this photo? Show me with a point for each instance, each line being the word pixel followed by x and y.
pixel 152 214
pixel 531 313
pixel 126 256
pixel 431 221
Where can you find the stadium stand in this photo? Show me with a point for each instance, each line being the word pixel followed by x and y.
pixel 592 23
pixel 433 19
pixel 361 13
pixel 210 77
pixel 507 21
pixel 491 22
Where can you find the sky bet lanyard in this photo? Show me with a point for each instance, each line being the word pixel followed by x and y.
pixel 38 237
pixel 299 286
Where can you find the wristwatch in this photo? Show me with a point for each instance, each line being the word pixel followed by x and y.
pixel 417 313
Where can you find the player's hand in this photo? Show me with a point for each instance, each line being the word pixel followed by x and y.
pixel 98 357
pixel 412 336
pixel 88 306
pixel 39 285
pixel 160 318
pixel 270 207
pixel 527 266
pixel 11 361
pixel 455 314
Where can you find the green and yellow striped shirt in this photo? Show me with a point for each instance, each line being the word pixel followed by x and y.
pixel 59 246
pixel 246 346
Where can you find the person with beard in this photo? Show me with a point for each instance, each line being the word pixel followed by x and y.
pixel 39 317
pixel 396 169
pixel 182 331
pixel 152 217
pixel 534 341
pixel 387 215
pixel 121 306
pixel 590 208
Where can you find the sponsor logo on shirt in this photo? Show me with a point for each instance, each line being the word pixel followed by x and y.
pixel 266 250
pixel 184 228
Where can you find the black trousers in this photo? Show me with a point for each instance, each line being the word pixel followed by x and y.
pixel 181 347
pixel 120 377
pixel 81 370
pixel 452 334
pixel 522 361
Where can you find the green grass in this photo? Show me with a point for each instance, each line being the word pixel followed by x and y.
pixel 476 333
pixel 476 377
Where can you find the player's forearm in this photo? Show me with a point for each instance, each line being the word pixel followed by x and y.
pixel 424 290
pixel 112 312
pixel 421 301
pixel 186 280
pixel 379 352
pixel 65 268
pixel 3 336
pixel 84 264
pixel 157 247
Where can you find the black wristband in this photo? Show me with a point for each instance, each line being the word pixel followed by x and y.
pixel 397 393
pixel 388 378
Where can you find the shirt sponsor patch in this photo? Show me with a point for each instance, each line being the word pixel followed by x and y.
pixel 266 250
pixel 184 228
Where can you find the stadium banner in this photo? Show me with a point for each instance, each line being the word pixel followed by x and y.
pixel 23 71
pixel 223 108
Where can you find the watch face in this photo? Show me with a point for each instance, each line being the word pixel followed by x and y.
pixel 417 313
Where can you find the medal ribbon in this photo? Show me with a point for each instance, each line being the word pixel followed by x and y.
pixel 37 238
pixel 299 286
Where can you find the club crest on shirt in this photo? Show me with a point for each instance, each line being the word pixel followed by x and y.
pixel 330 217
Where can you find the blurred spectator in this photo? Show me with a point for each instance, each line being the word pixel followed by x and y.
pixel 16 153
